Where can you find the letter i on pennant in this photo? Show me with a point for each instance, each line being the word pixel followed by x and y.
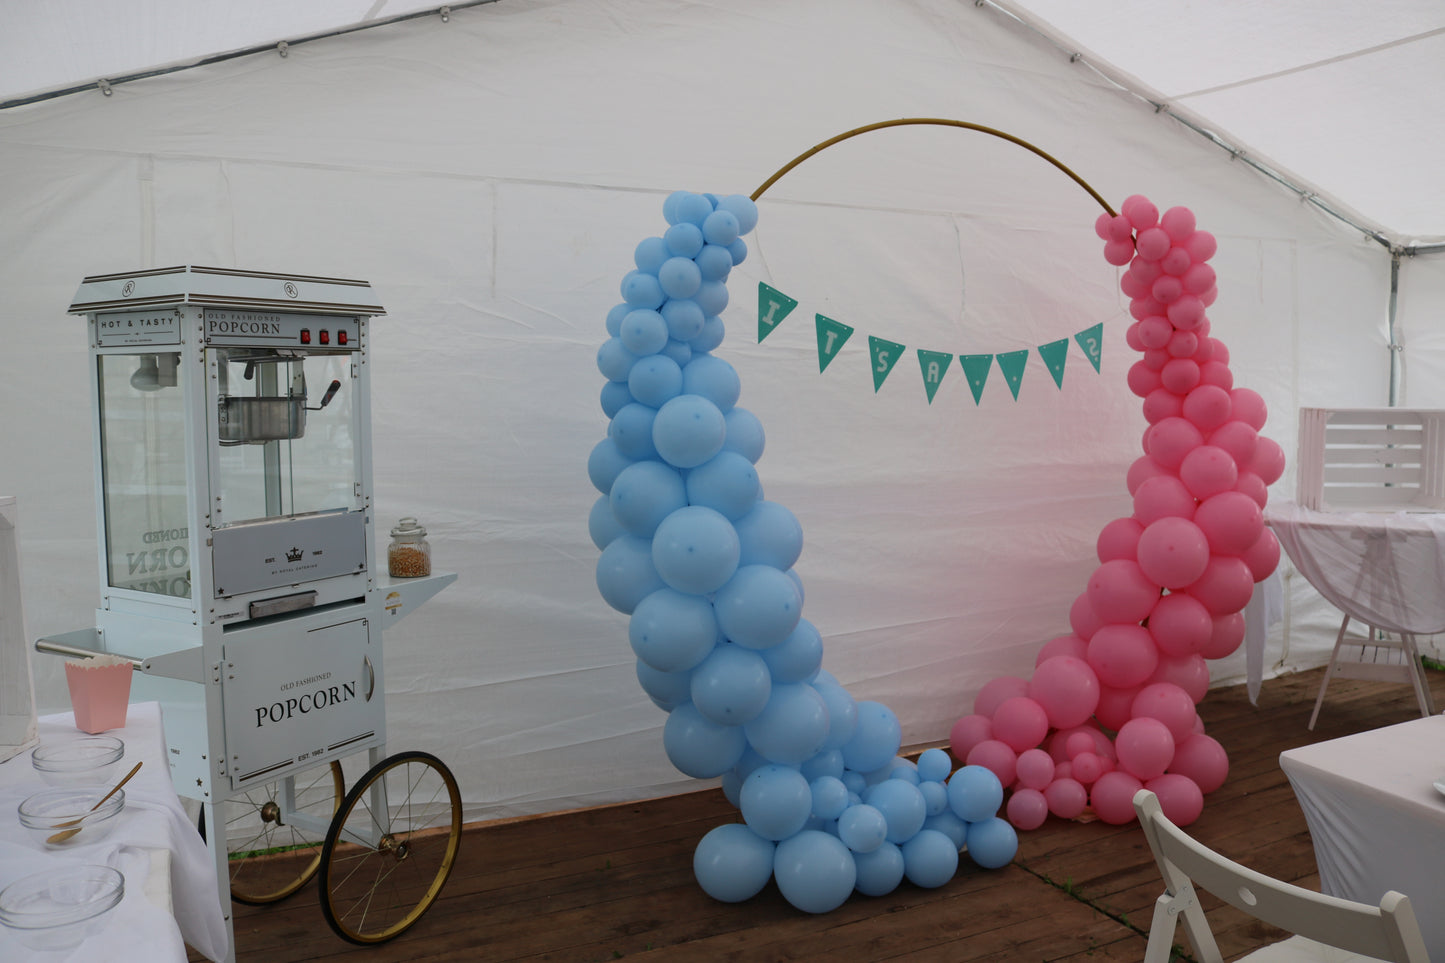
pixel 832 335
pixel 773 307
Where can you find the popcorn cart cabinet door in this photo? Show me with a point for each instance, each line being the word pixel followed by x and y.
pixel 294 697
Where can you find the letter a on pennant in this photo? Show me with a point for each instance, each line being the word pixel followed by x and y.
pixel 773 307
pixel 934 365
pixel 1011 363
pixel 885 355
pixel 1054 354
pixel 832 335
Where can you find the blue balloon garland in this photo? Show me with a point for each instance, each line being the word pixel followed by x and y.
pixel 703 565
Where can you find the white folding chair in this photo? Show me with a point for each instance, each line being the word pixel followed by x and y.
pixel 1328 929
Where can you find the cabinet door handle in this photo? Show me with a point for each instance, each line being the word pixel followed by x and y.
pixel 370 676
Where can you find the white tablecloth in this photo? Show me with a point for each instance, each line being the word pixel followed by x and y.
pixel 1376 820
pixel 153 819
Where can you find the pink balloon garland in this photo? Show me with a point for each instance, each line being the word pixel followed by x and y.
pixel 1113 703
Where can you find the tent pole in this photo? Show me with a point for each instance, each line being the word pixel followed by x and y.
pixel 1394 346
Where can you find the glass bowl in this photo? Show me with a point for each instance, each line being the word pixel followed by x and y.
pixel 44 813
pixel 59 908
pixel 83 759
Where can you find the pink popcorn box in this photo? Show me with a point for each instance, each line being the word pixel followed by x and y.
pixel 99 694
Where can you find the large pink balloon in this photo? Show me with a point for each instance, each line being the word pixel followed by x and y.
pixel 1119 591
pixel 1020 723
pixel 1179 797
pixel 1237 438
pixel 1263 556
pixel 1188 672
pixel 1062 645
pixel 1161 497
pixel 1173 438
pixel 1253 486
pixel 1027 809
pixel 1169 704
pixel 1145 746
pixel 968 732
pixel 1162 403
pixel 996 692
pixel 1115 705
pixel 1123 655
pixel 1067 689
pixel 1142 379
pixel 1203 760
pixel 1225 635
pixel 1141 471
pixel 1208 470
pixel 1035 769
pixel 1173 551
pixel 1180 624
pixel 1066 797
pixel 1113 797
pixel 1225 586
pixel 1231 521
pixel 1268 460
pixel 997 757
pixel 1082 617
pixel 1249 407
pixel 1118 539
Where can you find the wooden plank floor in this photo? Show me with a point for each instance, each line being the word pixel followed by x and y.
pixel 616 882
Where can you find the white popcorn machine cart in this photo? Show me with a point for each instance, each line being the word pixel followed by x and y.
pixel 239 575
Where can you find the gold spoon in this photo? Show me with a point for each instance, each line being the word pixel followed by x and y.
pixel 65 834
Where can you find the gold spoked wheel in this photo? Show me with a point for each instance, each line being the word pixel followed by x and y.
pixel 390 848
pixel 274 833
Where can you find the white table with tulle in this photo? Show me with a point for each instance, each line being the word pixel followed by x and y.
pixel 171 897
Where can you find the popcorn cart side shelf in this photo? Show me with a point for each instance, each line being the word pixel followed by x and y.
pixel 238 573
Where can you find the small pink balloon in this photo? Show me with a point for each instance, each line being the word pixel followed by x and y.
pixel 1231 521
pixel 1183 344
pixel 1166 290
pixel 1208 470
pixel 1209 297
pixel 1207 407
pixel 1113 797
pixel 968 732
pixel 1178 223
pixel 1145 307
pixel 997 758
pixel 1120 229
pixel 1203 760
pixel 1131 337
pixel 1118 539
pixel 1082 617
pixel 1119 591
pixel 1180 624
pixel 1253 486
pixel 1071 645
pixel 1163 496
pixel 1133 287
pixel 996 692
pixel 1169 704
pixel 1087 767
pixel 1238 439
pixel 1027 809
pixel 1114 705
pixel 1162 403
pixel 1140 211
pixel 1122 656
pixel 1268 460
pixel 1173 552
pixel 1225 586
pixel 1155 359
pixel 1201 245
pixel 1155 330
pixel 1249 407
pixel 1216 372
pixel 1205 351
pixel 1198 279
pixel 1142 379
pixel 1263 556
pixel 1180 375
pixel 1063 770
pixel 1187 312
pixel 1143 469
pixel 1035 769
pixel 1176 262
pixel 1152 243
pixel 1226 634
pixel 1145 270
pixel 1078 742
pixel 1064 739
pixel 1020 723
pixel 1179 797
pixel 1066 690
pixel 1173 438
pixel 1145 747
pixel 1119 253
pixel 1188 672
pixel 1101 226
pixel 1066 797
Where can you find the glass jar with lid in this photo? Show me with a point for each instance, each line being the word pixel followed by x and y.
pixel 409 554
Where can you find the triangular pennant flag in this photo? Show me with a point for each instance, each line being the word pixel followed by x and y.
pixel 1092 341
pixel 975 369
pixel 1054 353
pixel 773 307
pixel 934 365
pixel 1011 363
pixel 885 355
pixel 832 335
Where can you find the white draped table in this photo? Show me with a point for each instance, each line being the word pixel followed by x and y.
pixel 153 842
pixel 1376 818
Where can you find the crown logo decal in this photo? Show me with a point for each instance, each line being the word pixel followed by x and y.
pixel 294 554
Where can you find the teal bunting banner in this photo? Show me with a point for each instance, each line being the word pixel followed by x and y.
pixel 883 355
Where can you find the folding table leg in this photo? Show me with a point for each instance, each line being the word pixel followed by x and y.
pixel 1329 671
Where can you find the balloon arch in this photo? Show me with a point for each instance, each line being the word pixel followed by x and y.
pixel 704 568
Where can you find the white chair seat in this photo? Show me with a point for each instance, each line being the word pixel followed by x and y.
pixel 1297 949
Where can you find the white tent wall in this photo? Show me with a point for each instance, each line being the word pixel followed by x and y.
pixel 491 176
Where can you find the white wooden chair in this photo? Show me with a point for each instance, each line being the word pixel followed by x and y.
pixel 1328 929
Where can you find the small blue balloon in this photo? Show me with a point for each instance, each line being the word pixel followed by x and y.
pixel 842 714
pixel 903 769
pixel 667 689
pixel 797 657
pixel 615 316
pixel 615 396
pixel 830 797
pixel 721 228
pixel 602 525
pixel 645 493
pixel 670 630
pixel 684 319
pixel 934 765
pixel 901 804
pixel 625 573
pixel 776 801
pixel 695 550
pixel 711 335
pixel 731 686
pixel 631 429
pixel 669 205
pixel 614 360
pixel 935 797
pixel 688 430
pixel 759 607
pixel 714 379
pixel 605 463
pixel 792 726
pixel 814 870
pixel 739 251
pixel 654 380
pixel 693 208
pixel 643 332
pixel 875 741
pixel 649 255
pixel 742 207
pixel 679 277
pixel 950 825
pixel 712 297
pixel 727 483
pixel 700 748
pixel 714 262
pixel 769 535
pixel 929 859
pixel 862 828
pixel 744 434
pixel 992 842
pixel 974 794
pixel 829 762
pixel 880 871
pixel 732 863
pixel 855 783
pixel 678 351
pixel 683 240
pixel 641 290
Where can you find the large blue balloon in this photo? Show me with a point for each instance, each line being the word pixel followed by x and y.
pixel 759 606
pixel 731 686
pixel 649 255
pixel 645 493
pixel 643 332
pixel 631 430
pixel 929 858
pixel 727 483
pixel 798 657
pixel 688 430
pixel 742 207
pixel 695 549
pixel 880 871
pixel 792 726
pixel 830 797
pixel 602 525
pixel 679 277
pixel 614 360
pixel 876 740
pixel 714 379
pixel 625 573
pixel 934 765
pixel 700 748
pixel 683 240
pixel 732 863
pixel 863 828
pixel 604 463
pixel 684 320
pixel 815 871
pixel 745 434
pixel 902 806
pixel 654 380
pixel 714 262
pixel 672 631
pixel 992 843
pixel 776 801
pixel 770 535
pixel 667 690
pixel 842 712
pixel 974 794
pixel 641 290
